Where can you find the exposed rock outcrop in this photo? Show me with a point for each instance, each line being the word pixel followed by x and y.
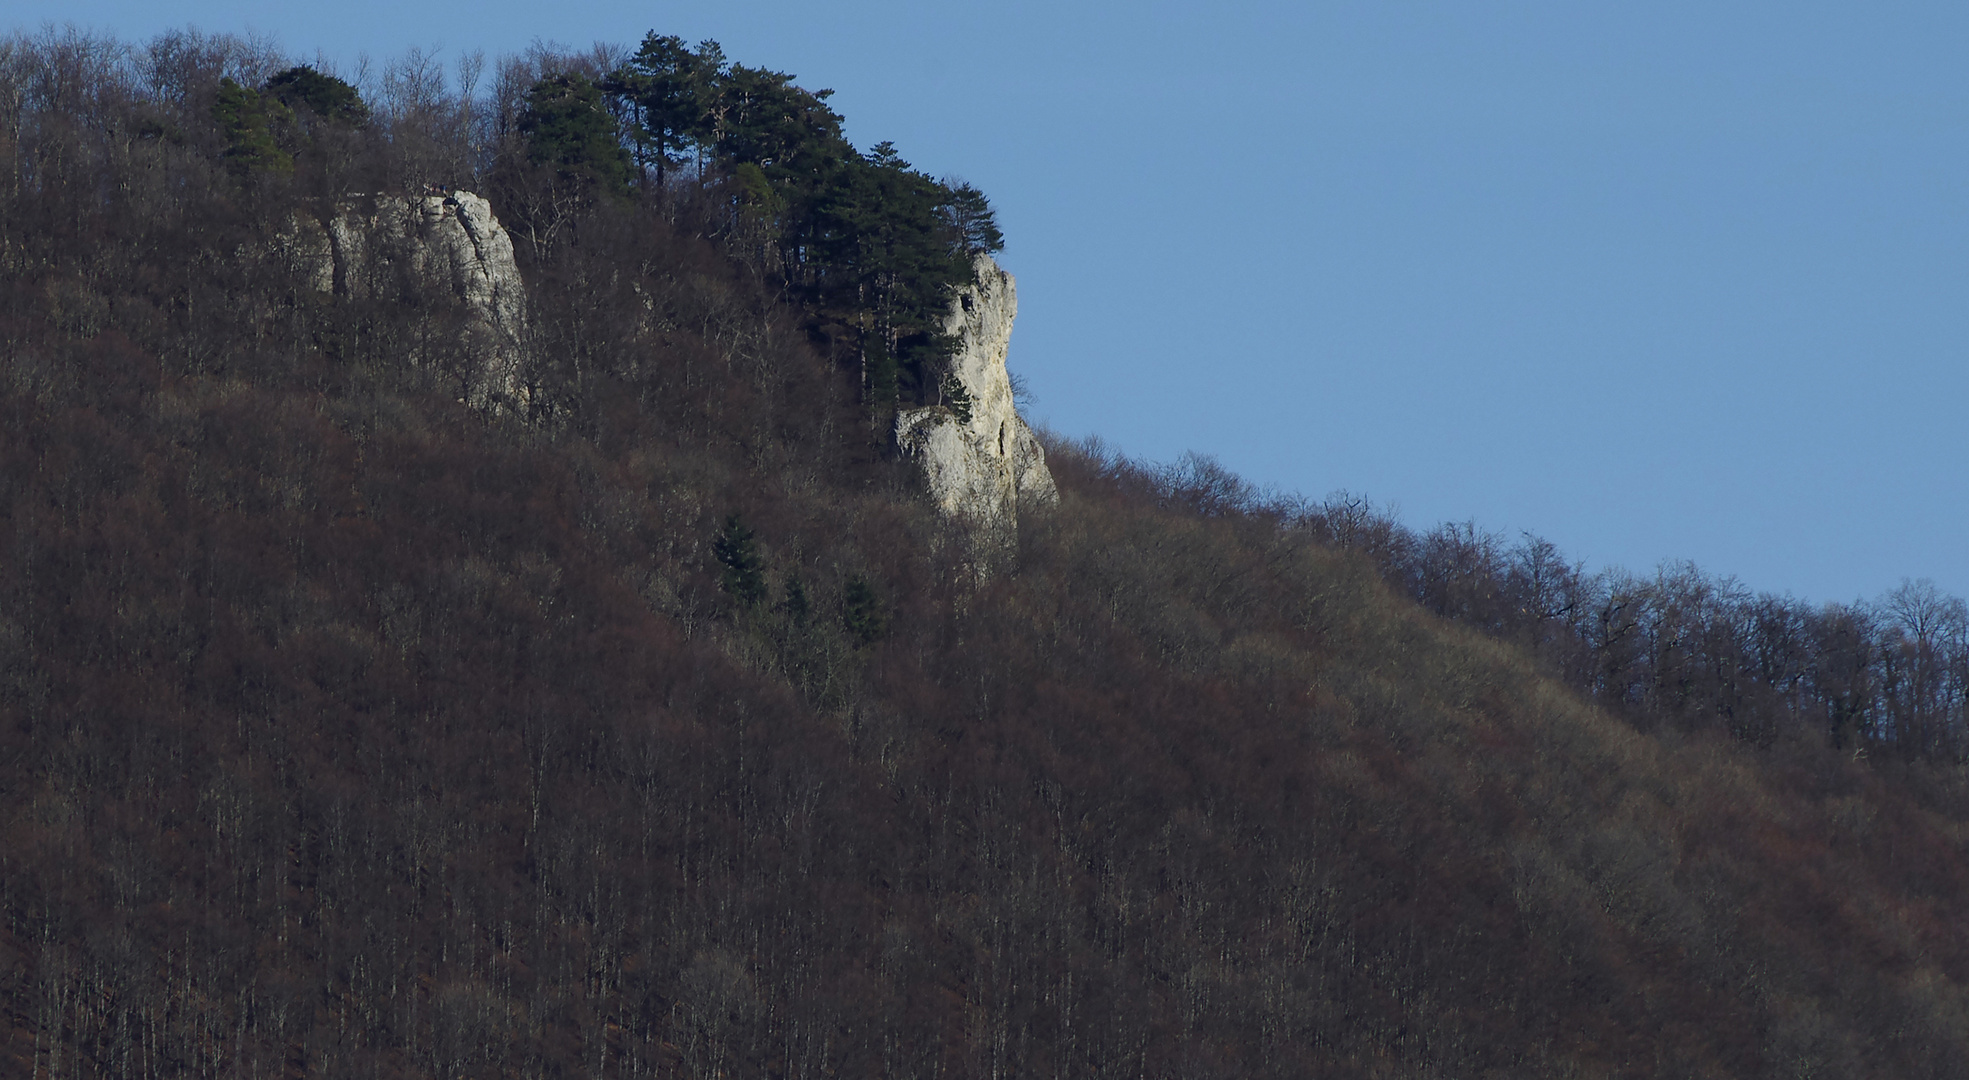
pixel 386 245
pixel 989 467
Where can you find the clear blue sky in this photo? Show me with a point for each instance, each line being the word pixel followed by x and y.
pixel 1656 281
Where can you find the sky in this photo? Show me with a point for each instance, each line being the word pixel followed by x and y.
pixel 1656 282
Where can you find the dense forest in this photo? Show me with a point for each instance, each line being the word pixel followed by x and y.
pixel 663 728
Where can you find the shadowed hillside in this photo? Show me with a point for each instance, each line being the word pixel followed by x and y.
pixel 664 728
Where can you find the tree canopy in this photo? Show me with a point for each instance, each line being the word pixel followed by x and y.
pixel 248 119
pixel 568 127
pixel 670 91
pixel 323 95
pixel 265 129
pixel 872 246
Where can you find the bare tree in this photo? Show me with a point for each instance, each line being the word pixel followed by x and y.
pixel 1924 632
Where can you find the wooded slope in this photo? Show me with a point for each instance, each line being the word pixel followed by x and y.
pixel 345 731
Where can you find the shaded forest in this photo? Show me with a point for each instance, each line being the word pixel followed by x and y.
pixel 666 730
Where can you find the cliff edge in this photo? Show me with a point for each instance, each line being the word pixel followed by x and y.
pixel 385 245
pixel 983 463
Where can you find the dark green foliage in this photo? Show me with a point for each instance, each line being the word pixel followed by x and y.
pixel 881 375
pixel 568 128
pixel 247 120
pixel 744 571
pixel 874 246
pixel 970 216
pixel 761 209
pixel 304 88
pixel 885 265
pixel 672 91
pixel 761 118
pixel 861 610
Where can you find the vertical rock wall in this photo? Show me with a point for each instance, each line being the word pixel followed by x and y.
pixel 989 468
pixel 382 245
pixel 985 468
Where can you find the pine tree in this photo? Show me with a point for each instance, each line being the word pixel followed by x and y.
pixel 304 88
pixel 955 397
pixel 884 263
pixel 861 610
pixel 248 118
pixel 874 247
pixel 744 576
pixel 566 126
pixel 971 218
pixel 672 90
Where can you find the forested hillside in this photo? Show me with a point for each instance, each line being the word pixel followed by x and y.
pixel 663 728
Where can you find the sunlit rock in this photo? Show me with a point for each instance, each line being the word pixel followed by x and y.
pixel 987 468
pixel 385 245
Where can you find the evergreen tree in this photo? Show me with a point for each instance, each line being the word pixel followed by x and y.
pixel 955 398
pixel 873 246
pixel 861 610
pixel 744 577
pixel 248 118
pixel 886 264
pixel 323 118
pixel 305 89
pixel 567 126
pixel 671 89
pixel 970 217
pixel 754 194
pixel 759 117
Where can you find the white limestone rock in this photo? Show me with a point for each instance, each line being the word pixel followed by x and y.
pixel 988 469
pixel 376 246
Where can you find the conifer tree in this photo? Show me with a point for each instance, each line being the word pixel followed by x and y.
pixel 325 96
pixel 567 126
pixel 744 577
pixel 873 246
pixel 248 118
pixel 970 216
pixel 887 264
pixel 861 610
pixel 671 90
pixel 955 398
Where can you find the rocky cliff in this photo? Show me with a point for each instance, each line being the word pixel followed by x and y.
pixel 985 467
pixel 982 462
pixel 388 245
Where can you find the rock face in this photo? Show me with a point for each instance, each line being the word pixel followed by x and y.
pixel 385 245
pixel 989 468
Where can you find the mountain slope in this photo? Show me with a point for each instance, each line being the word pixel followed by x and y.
pixel 347 730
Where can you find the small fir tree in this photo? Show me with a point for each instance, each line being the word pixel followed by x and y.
pixel 956 398
pixel 248 119
pixel 744 576
pixel 861 610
